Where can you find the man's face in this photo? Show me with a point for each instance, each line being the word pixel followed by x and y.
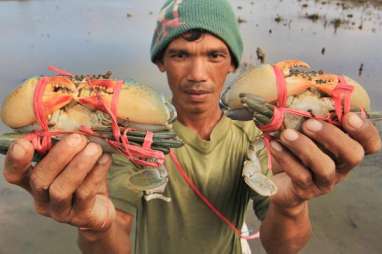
pixel 196 71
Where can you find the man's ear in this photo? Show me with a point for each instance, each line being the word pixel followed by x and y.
pixel 232 68
pixel 160 65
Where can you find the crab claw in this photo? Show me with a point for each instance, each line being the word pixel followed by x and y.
pixel 261 81
pixel 136 103
pixel 286 65
pixel 359 99
pixel 17 110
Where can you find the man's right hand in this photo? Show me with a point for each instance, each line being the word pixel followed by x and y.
pixel 69 184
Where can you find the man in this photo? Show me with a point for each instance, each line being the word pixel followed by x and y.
pixel 197 44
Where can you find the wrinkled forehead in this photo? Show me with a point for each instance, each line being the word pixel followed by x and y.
pixel 201 39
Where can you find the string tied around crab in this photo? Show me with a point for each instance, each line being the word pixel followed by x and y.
pixel 341 96
pixel 42 139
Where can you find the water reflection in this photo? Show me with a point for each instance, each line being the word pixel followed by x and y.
pixel 116 35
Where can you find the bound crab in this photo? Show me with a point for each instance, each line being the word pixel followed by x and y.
pixel 122 116
pixel 283 95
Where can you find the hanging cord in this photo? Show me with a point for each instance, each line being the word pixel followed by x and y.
pixel 216 211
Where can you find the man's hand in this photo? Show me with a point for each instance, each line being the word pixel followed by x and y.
pixel 68 184
pixel 311 163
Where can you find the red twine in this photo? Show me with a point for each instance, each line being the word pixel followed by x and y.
pixel 341 96
pixel 216 211
pixel 41 139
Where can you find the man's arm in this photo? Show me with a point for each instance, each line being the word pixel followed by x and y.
pixel 115 240
pixel 285 232
pixel 310 164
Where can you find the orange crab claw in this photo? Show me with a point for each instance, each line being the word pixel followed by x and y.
pixel 59 92
pixel 17 110
pixel 326 83
pixel 136 102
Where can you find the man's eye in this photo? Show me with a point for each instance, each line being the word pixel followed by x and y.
pixel 216 56
pixel 180 55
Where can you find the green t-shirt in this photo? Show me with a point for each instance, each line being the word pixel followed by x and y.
pixel 186 225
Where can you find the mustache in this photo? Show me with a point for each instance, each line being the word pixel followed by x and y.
pixel 197 88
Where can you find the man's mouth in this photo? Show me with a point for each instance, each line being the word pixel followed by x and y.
pixel 197 95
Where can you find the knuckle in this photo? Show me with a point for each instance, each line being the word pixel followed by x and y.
pixel 41 209
pixel 302 194
pixel 59 217
pixel 357 156
pixel 11 178
pixel 327 177
pixel 58 194
pixel 373 144
pixel 331 167
pixel 37 183
pixel 305 180
pixel 325 189
pixel 84 194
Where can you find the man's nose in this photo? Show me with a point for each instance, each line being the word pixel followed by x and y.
pixel 197 71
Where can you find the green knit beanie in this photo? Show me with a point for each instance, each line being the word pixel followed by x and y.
pixel 214 16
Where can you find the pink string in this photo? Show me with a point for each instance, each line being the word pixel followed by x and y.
pixel 341 96
pixel 42 139
pixel 59 71
pixel 140 155
pixel 216 211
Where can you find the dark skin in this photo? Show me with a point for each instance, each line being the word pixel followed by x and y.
pixel 196 73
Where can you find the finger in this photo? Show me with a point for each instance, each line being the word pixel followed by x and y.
pixel 102 215
pixel 363 131
pixel 18 162
pixel 51 165
pixel 321 165
pixel 298 174
pixel 348 152
pixel 93 184
pixel 276 168
pixel 66 183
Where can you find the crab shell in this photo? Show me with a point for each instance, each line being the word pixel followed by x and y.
pixel 261 81
pixel 136 103
pixel 17 110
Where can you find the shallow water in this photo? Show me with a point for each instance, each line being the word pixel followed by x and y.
pixel 96 36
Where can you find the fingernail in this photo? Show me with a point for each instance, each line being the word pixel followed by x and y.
pixel 313 125
pixel 290 134
pixel 17 151
pixel 355 121
pixel 275 145
pixel 74 140
pixel 91 149
pixel 104 159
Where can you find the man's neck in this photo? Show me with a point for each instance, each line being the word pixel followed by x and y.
pixel 202 123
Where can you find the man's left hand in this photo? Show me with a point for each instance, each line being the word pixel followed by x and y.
pixel 311 163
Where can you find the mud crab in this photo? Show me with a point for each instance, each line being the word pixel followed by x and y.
pixel 289 87
pixel 305 89
pixel 136 104
pixel 115 114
